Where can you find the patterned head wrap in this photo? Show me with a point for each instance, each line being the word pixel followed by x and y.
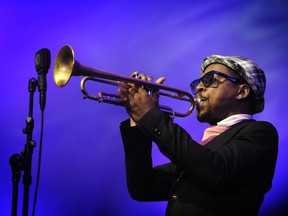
pixel 246 69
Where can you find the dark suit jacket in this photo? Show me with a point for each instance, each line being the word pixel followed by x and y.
pixel 228 176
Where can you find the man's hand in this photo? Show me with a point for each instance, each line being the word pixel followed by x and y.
pixel 137 100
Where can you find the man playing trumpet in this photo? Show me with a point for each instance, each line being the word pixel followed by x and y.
pixel 230 170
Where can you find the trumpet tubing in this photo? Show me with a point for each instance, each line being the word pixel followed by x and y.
pixel 66 66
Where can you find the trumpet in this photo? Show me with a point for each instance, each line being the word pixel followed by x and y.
pixel 66 66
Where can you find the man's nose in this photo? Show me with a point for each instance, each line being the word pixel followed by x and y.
pixel 200 87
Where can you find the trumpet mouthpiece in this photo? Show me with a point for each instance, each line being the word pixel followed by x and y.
pixel 196 101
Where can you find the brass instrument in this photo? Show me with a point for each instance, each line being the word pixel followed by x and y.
pixel 66 66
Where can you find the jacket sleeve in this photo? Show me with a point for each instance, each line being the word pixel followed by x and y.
pixel 144 182
pixel 252 150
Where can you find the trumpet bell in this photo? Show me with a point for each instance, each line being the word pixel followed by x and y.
pixel 63 66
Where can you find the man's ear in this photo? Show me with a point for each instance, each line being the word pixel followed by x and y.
pixel 243 91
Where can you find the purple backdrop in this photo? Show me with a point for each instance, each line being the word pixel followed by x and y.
pixel 83 161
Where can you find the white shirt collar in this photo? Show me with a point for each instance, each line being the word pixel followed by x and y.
pixel 234 119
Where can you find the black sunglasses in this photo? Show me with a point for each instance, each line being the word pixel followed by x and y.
pixel 208 79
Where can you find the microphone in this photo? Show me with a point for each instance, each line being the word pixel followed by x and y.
pixel 42 64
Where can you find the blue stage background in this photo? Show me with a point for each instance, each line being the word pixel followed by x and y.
pixel 83 161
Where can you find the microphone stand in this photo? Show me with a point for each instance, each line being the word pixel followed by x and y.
pixel 23 161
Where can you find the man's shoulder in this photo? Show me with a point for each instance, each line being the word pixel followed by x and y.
pixel 256 125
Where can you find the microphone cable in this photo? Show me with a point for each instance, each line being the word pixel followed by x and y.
pixel 42 64
pixel 39 163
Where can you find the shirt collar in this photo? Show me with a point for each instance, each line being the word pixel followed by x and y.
pixel 234 119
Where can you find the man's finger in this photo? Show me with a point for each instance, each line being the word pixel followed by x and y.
pixel 160 80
